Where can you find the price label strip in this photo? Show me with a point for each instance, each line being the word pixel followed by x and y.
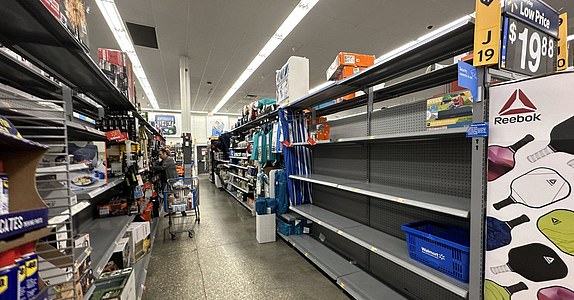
pixel 562 59
pixel 526 49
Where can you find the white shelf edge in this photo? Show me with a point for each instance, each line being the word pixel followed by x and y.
pixel 241 189
pixel 238 167
pixel 76 208
pixel 382 137
pixel 60 169
pixel 392 198
pixel 96 192
pixel 240 177
pixel 409 265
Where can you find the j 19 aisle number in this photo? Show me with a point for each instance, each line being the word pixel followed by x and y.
pixel 533 50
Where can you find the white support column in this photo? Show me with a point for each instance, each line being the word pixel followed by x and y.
pixel 185 97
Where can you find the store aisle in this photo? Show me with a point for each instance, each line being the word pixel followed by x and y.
pixel 224 261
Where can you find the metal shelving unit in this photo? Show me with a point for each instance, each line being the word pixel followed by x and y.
pixel 384 168
pixel 383 244
pixel 349 277
pixel 452 205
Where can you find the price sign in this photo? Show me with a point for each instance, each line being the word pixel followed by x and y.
pixel 526 49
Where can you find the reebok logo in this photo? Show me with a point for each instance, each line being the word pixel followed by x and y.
pixel 549 260
pixel 556 221
pixel 552 182
pixel 486 2
pixel 513 107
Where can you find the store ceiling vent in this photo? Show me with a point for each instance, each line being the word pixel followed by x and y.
pixel 142 35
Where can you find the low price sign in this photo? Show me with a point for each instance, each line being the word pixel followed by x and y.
pixel 526 49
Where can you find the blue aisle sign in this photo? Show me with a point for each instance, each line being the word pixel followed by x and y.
pixel 535 13
pixel 477 130
pixel 467 78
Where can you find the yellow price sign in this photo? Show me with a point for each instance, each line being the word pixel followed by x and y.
pixel 562 59
pixel 487 33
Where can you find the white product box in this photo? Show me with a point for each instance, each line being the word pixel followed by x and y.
pixel 292 81
pixel 82 240
pixel 265 228
pixel 138 232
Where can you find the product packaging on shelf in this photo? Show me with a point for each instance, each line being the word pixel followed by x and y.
pixel 9 287
pixel 292 80
pixel 449 111
pixel 116 285
pixel 138 232
pixel 348 61
pixel 72 15
pixel 116 207
pixel 82 240
pixel 122 256
pixel 29 282
pixel 4 199
pixel 118 68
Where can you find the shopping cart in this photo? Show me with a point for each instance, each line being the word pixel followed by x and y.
pixel 182 201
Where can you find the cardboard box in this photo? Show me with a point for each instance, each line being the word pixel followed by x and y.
pixel 348 59
pixel 122 257
pixel 117 66
pixel 265 228
pixel 138 233
pixel 292 80
pixel 117 285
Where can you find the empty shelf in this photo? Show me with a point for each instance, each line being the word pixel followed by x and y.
pixel 385 245
pixel 452 205
pixel 363 286
pixel 326 259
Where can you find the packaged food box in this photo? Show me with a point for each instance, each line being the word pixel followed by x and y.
pixel 138 232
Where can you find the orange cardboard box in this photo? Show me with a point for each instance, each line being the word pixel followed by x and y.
pixel 346 72
pixel 348 59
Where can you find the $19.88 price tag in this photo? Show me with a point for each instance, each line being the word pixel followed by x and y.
pixel 527 50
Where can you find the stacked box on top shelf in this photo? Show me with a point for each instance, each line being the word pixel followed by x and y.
pixel 72 15
pixel 118 68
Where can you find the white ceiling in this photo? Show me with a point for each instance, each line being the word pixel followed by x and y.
pixel 221 37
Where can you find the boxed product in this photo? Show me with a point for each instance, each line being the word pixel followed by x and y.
pixel 121 258
pixel 116 207
pixel 84 273
pixel 345 59
pixel 265 228
pixel 116 285
pixel 138 232
pixel 9 283
pixel 292 80
pixel 118 68
pixel 449 111
pixel 72 15
pixel 82 240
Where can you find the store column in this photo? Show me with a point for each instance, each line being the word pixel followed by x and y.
pixel 185 95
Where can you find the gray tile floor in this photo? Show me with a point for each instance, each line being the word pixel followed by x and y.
pixel 224 261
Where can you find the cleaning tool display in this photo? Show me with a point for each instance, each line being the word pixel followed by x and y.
pixel 501 159
pixel 498 233
pixel 537 188
pixel 494 291
pixel 558 227
pixel 561 140
pixel 555 293
pixel 535 262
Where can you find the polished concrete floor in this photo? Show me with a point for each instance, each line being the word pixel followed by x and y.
pixel 224 261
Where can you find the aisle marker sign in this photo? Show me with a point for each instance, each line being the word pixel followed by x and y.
pixel 562 62
pixel 487 33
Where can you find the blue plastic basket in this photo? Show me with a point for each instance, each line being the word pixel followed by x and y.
pixel 442 247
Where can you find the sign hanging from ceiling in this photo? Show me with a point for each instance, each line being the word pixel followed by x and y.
pixel 534 12
pixel 487 33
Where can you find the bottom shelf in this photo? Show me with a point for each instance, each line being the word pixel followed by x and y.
pixel 349 277
pixel 249 208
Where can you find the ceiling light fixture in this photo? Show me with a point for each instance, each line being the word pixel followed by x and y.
pixel 112 16
pixel 298 13
pixel 423 39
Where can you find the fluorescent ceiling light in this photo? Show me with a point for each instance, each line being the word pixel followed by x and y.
pixel 570 37
pixel 116 24
pixel 298 13
pixel 424 39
